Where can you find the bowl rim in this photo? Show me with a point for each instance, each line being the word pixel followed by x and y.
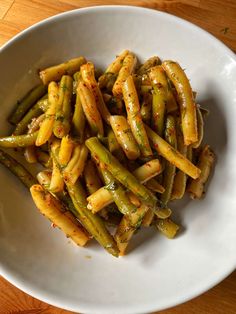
pixel 85 307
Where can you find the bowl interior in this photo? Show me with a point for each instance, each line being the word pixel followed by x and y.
pixel 157 273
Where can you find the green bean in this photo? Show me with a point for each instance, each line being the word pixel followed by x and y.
pixel 107 80
pixel 148 170
pixel 92 223
pixel 78 120
pixel 134 116
pixel 151 62
pixel 46 127
pixel 146 108
pixel 172 155
pixel 129 223
pixel 148 218
pixel 180 179
pixel 44 178
pixel 145 88
pixel 205 163
pixel 160 98
pixel 43 158
pixel 125 137
pixel 43 103
pixel 34 112
pixel 62 119
pixel 26 103
pixel 171 105
pixel 158 110
pixel 126 69
pixel 114 147
pixel 76 77
pixel 30 151
pixel 66 149
pixel 169 172
pixel 167 227
pixel 120 172
pixel 55 73
pixel 88 76
pixel 200 127
pixel 17 169
pixel 116 65
pixel 155 186
pixel 91 177
pixel 114 104
pixel 101 197
pixel 19 140
pixel 118 193
pixel 90 109
pixel 54 210
pixel 185 98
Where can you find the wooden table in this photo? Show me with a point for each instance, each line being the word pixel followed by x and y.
pixel 216 16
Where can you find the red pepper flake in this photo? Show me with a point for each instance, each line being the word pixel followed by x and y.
pixel 53 225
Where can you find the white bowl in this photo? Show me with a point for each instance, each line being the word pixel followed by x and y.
pixel 157 273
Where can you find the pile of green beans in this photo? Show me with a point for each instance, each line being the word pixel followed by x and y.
pixel 117 147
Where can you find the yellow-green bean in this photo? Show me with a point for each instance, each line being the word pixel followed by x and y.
pixel 185 97
pixel 180 179
pixel 169 172
pixel 53 209
pixel 148 170
pixel 62 124
pixel 125 137
pixel 127 227
pixel 114 147
pixel 200 127
pixel 119 172
pixel 55 72
pixel 76 165
pixel 155 186
pixel 23 140
pixel 151 62
pixel 46 128
pixel 57 183
pixel 134 116
pixel 117 192
pixel 65 151
pixel 30 151
pixel 91 177
pixel 172 155
pixel 167 227
pixel 109 77
pixel 78 120
pixel 90 109
pixel 205 163
pixel 127 68
pixel 146 108
pixel 88 76
pixel 160 98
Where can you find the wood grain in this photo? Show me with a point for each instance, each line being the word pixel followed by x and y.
pixel 216 16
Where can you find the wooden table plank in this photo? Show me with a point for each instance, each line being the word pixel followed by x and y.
pixel 4 7
pixel 217 17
